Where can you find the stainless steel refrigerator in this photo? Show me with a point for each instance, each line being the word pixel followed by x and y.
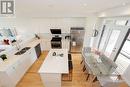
pixel 77 39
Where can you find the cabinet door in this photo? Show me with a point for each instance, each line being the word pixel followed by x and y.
pixel 32 55
pixel 46 45
pixel 43 45
pixel 26 62
pixel 6 81
pixel 13 74
pixel 19 71
pixel 23 65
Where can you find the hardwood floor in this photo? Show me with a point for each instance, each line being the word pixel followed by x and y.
pixel 32 78
pixel 76 49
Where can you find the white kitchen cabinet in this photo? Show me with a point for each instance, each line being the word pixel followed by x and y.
pixel 11 75
pixel 32 56
pixel 25 63
pixel 16 66
pixel 46 44
pixel 13 72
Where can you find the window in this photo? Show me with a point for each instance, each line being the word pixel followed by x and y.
pixel 112 41
pixel 123 58
pixel 126 48
pixel 121 22
pixel 103 38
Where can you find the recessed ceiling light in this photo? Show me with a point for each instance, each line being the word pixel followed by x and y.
pixel 85 4
pixel 50 5
pixel 123 4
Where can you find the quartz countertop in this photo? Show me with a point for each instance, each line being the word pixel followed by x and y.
pixel 55 64
pixel 14 58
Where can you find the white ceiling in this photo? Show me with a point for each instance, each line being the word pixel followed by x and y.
pixel 64 8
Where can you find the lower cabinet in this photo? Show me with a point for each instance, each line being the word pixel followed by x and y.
pixel 46 45
pixel 53 78
pixel 12 75
pixel 32 55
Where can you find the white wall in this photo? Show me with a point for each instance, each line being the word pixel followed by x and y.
pixel 65 24
pixel 42 25
pixel 92 22
pixel 118 11
pixel 27 27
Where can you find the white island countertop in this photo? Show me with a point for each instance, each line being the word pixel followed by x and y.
pixel 55 64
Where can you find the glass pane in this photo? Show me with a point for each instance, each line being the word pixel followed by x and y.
pixel 123 60
pixel 112 41
pixel 104 37
pixel 122 63
pixel 126 48
pixel 109 22
pixel 121 22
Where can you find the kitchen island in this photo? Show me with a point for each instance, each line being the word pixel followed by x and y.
pixel 54 65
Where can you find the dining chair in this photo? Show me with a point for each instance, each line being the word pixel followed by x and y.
pixel 68 77
pixel 114 78
pixel 84 51
pixel 87 67
pixel 109 81
pixel 69 57
pixel 126 75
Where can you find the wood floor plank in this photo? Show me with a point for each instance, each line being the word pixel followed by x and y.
pixel 32 78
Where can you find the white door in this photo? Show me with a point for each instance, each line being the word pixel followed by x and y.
pixel 114 40
pixel 111 40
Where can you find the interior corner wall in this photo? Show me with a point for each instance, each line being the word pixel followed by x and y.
pixel 92 22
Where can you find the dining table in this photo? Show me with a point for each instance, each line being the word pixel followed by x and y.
pixel 101 67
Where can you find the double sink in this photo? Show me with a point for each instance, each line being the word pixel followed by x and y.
pixel 22 51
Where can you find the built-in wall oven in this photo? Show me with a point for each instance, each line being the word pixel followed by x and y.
pixel 56 42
